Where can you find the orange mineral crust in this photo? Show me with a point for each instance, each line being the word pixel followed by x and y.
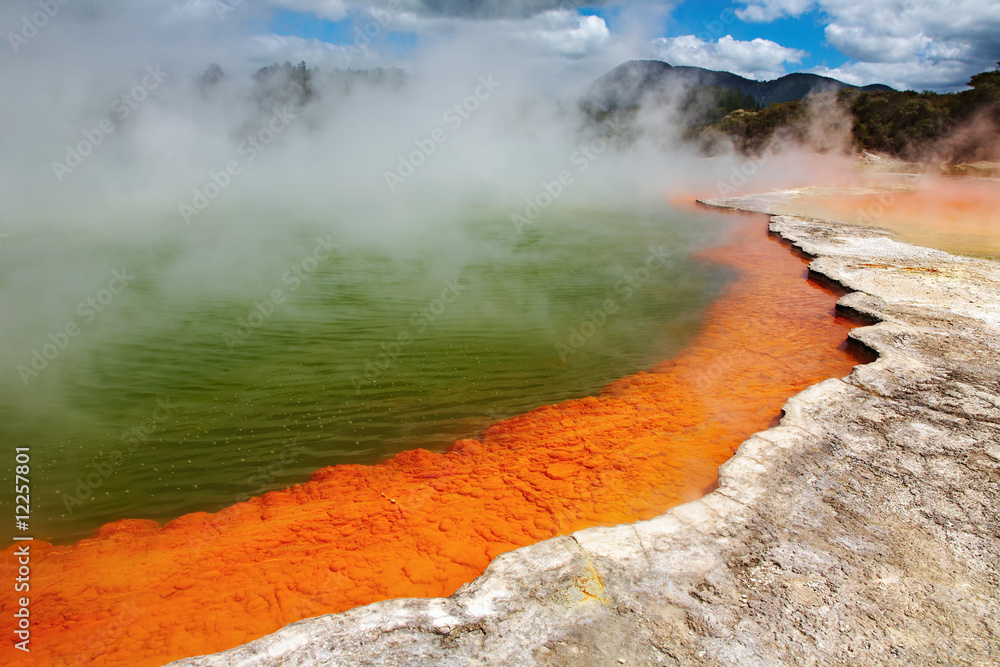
pixel 423 524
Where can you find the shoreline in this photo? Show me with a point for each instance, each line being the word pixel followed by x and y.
pixel 862 529
pixel 425 524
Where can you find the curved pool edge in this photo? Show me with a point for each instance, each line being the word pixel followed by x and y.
pixel 861 528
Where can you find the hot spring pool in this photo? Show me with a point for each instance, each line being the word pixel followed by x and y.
pixel 219 365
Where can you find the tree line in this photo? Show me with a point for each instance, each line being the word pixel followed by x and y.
pixel 911 125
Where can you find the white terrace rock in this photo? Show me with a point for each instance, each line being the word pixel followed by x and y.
pixel 862 530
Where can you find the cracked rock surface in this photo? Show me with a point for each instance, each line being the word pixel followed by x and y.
pixel 863 530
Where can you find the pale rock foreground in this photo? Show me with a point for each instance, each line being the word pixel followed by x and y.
pixel 862 530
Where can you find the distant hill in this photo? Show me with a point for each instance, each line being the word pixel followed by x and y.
pixel 627 85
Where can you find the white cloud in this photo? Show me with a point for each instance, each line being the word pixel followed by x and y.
pixel 864 45
pixel 918 44
pixel 190 10
pixel 917 75
pixel 475 10
pixel 495 9
pixel 755 59
pixel 571 35
pixel 561 33
pixel 265 49
pixel 763 11
pixel 331 10
pixel 186 35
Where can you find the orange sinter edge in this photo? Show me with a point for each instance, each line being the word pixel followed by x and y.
pixel 954 216
pixel 422 524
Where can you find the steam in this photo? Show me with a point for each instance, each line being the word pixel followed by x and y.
pixel 976 140
pixel 212 183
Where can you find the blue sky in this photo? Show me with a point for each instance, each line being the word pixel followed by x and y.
pixel 919 44
pixel 805 32
pixel 708 18
pixel 922 44
pixel 699 18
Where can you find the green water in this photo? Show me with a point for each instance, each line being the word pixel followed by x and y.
pixel 164 403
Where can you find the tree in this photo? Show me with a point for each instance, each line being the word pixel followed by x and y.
pixel 985 80
pixel 285 83
pixel 213 75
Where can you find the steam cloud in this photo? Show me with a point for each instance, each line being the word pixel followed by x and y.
pixel 117 137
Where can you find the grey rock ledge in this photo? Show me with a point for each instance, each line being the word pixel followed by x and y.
pixel 863 530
